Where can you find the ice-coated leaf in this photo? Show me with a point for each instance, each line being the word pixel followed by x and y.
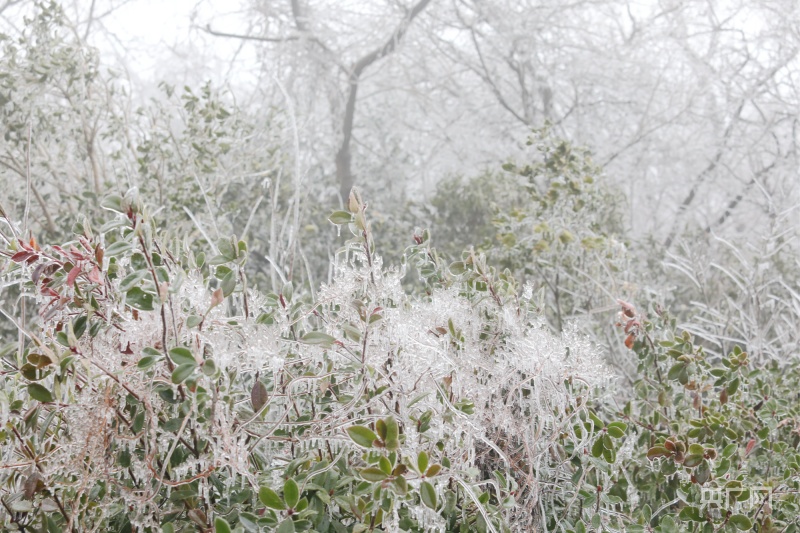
pixel 373 474
pixel 318 338
pixel 258 396
pixel 433 470
pixel 138 299
pixel 38 392
pixel 131 280
pixel 380 427
pixel 617 429
pixel 361 435
pixel 597 447
pixel 209 367
pixel 182 356
pixel 118 248
pixel 216 298
pixel 392 433
pixel 113 202
pixel 221 525
pixel 182 372
pixel 428 494
pixel 291 493
pixel 287 526
pixel 422 461
pixel 340 217
pixel 270 499
pixel 146 362
pixel 741 522
pixel 228 283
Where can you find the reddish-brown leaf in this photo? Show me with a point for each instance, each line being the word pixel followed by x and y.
pixel 73 275
pixel 95 276
pixel 21 256
pixel 629 341
pixel 750 446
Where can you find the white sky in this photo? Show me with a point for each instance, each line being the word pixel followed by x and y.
pixel 162 39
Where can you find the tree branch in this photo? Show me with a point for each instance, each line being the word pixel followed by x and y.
pixel 344 172
pixel 259 38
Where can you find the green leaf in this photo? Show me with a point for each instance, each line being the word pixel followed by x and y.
pixel 318 338
pixel 729 449
pixel 118 248
pixel 380 427
pixel 291 493
pixel 385 465
pixel 287 291
pixel 392 434
pixel 113 202
pixel 609 454
pixel 228 283
pixel 340 217
pixel 361 435
pixel 692 460
pixel 221 525
pixel 182 356
pixel 226 249
pixel 287 526
pixel 182 372
pixel 657 451
pixel 428 494
pixel 38 392
pixel 209 367
pixel 741 522
pixel 193 320
pixel 401 485
pixel 597 447
pixel 692 513
pixel 422 461
pixel 433 470
pixel 138 299
pixel 270 499
pixel 457 268
pixel 733 386
pixel 617 429
pixel 372 474
pixel 131 280
pixel 146 362
pixel 675 370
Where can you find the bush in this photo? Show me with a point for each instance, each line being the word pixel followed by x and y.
pixel 157 391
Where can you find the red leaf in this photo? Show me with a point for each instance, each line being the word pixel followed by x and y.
pixel 629 341
pixel 47 291
pixel 750 446
pixel 19 257
pixel 95 276
pixel 73 275
pixel 76 254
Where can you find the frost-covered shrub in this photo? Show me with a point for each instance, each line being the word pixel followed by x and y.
pixel 156 391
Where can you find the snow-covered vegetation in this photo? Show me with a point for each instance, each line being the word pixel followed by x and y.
pixel 205 327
